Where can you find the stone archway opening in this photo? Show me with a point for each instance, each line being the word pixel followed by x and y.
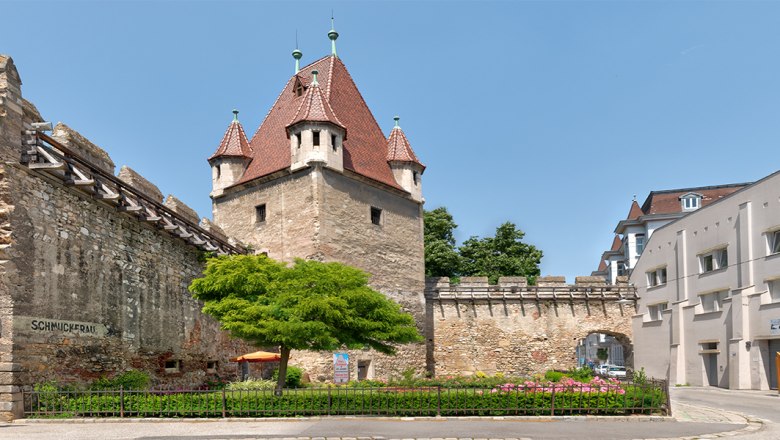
pixel 601 347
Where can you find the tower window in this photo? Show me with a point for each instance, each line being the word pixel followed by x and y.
pixel 315 138
pixel 298 138
pixel 260 213
pixel 415 177
pixel 333 142
pixel 376 215
pixel 219 171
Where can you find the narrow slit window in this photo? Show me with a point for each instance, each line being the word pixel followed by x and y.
pixel 315 138
pixel 260 213
pixel 298 139
pixel 376 215
pixel 333 142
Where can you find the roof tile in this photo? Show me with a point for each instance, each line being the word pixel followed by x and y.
pixel 399 149
pixel 234 142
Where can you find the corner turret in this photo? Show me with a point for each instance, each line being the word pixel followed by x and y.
pixel 230 160
pixel 407 169
pixel 315 132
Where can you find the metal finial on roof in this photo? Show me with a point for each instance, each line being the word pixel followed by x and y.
pixel 333 35
pixel 396 119
pixel 235 115
pixel 635 197
pixel 314 74
pixel 297 54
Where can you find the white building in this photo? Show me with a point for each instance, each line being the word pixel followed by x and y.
pixel 658 209
pixel 709 289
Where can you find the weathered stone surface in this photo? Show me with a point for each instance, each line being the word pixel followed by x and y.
pixel 512 281
pixel 209 226
pixel 81 146
pixel 589 281
pixel 139 182
pixel 181 208
pixel 550 281
pixel 31 112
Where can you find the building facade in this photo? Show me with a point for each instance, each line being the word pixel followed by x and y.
pixel 658 209
pixel 709 289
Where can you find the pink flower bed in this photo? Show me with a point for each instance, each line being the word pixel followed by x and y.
pixel 596 385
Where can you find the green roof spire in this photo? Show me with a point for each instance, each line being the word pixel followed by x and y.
pixel 396 119
pixel 235 115
pixel 314 74
pixel 297 54
pixel 332 35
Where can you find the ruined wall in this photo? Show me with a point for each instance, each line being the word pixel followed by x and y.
pixel 494 329
pixel 87 291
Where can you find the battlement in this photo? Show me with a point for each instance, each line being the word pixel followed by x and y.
pixel 585 288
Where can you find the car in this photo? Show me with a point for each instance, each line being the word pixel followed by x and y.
pixel 602 369
pixel 616 371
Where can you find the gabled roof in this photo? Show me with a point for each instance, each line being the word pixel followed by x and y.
pixel 399 149
pixel 668 201
pixel 315 108
pixel 635 211
pixel 602 266
pixel 234 143
pixel 616 244
pixel 365 151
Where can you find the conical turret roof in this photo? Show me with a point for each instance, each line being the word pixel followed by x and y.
pixel 315 108
pixel 234 143
pixel 399 149
pixel 635 211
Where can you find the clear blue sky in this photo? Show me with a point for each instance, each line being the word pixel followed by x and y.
pixel 549 114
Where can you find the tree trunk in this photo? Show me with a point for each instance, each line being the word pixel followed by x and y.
pixel 285 352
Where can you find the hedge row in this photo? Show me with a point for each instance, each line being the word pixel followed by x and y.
pixel 386 402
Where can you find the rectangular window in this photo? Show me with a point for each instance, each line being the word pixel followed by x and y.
pixel 376 216
pixel 713 302
pixel 211 366
pixel 333 142
pixel 656 277
pixel 260 213
pixel 655 311
pixel 315 138
pixel 774 242
pixel 621 267
pixel 774 289
pixel 715 260
pixel 298 139
pixel 690 203
pixel 640 243
pixel 172 366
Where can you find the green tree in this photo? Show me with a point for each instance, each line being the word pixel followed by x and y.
pixel 309 306
pixel 441 258
pixel 502 255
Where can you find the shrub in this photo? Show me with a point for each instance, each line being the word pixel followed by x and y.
pixel 251 384
pixel 553 376
pixel 293 379
pixel 640 377
pixel 582 374
pixel 129 380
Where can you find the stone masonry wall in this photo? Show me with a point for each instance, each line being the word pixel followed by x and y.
pixel 321 214
pixel 514 336
pixel 87 291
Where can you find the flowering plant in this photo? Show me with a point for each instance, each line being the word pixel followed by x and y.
pixel 595 385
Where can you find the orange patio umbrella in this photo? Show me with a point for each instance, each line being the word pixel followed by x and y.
pixel 258 356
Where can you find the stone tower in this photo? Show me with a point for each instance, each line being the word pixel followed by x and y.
pixel 319 180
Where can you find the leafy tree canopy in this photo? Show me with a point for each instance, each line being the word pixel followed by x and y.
pixel 441 258
pixel 502 255
pixel 309 306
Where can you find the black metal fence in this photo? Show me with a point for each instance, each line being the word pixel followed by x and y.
pixel 651 397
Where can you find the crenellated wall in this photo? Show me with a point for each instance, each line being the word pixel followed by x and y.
pixel 516 329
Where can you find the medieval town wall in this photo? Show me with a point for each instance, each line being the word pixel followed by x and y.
pixel 88 291
pixel 496 329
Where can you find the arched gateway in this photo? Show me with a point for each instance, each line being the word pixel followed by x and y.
pixel 516 329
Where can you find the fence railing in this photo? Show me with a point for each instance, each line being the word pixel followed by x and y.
pixel 517 400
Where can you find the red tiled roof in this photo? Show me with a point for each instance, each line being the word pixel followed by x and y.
pixel 234 143
pixel 635 211
pixel 315 108
pixel 668 202
pixel 616 243
pixel 602 266
pixel 399 149
pixel 364 152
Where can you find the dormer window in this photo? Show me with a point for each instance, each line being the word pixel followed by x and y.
pixel 315 138
pixel 690 202
pixel 298 88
